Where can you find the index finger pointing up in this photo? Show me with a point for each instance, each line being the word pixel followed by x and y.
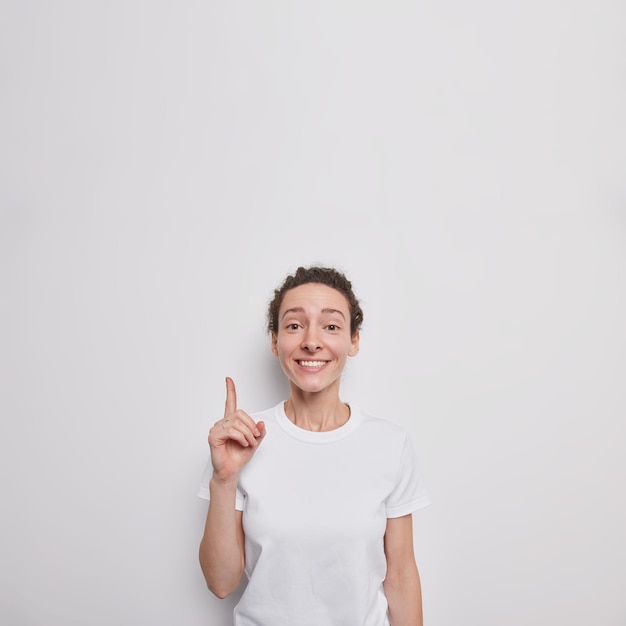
pixel 231 397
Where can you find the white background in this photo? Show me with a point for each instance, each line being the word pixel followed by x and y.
pixel 165 165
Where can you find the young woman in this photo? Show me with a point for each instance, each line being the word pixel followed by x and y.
pixel 312 498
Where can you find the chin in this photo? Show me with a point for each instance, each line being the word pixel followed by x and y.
pixel 311 386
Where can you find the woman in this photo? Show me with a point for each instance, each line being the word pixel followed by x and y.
pixel 312 498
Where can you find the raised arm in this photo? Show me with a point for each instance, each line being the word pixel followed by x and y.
pixel 233 440
pixel 402 583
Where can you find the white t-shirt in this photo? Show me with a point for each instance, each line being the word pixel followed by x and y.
pixel 315 507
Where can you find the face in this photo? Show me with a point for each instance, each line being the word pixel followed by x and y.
pixel 313 340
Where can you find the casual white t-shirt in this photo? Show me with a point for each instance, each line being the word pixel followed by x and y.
pixel 315 507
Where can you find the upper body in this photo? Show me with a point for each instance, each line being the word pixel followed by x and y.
pixel 315 509
pixel 313 498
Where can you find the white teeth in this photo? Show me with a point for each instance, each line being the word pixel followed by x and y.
pixel 312 363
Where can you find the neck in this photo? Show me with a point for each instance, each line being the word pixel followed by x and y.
pixel 318 412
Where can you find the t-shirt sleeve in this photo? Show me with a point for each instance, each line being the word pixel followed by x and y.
pixel 204 492
pixel 409 493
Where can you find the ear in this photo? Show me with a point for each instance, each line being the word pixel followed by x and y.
pixel 354 348
pixel 274 343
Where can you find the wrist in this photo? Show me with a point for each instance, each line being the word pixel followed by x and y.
pixel 220 482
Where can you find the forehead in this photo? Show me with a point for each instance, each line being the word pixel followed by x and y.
pixel 315 296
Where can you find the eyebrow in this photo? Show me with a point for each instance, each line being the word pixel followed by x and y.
pixel 299 309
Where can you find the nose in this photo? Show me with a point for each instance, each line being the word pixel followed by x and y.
pixel 311 341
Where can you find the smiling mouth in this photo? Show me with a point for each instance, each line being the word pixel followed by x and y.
pixel 312 364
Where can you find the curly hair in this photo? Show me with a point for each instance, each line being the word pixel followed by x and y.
pixel 315 274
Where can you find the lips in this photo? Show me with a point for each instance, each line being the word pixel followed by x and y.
pixel 311 364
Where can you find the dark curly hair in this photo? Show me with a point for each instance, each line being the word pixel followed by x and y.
pixel 324 275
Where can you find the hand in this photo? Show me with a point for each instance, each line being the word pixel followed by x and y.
pixel 234 439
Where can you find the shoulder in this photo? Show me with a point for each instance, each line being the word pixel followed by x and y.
pixel 380 423
pixel 382 430
pixel 266 414
pixel 271 416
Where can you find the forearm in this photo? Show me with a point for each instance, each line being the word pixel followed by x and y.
pixel 221 549
pixel 404 598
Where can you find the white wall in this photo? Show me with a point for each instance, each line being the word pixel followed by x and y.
pixel 164 165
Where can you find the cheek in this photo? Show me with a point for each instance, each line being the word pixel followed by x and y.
pixel 340 346
pixel 285 345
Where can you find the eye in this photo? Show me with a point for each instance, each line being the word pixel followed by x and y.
pixel 332 327
pixel 293 326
